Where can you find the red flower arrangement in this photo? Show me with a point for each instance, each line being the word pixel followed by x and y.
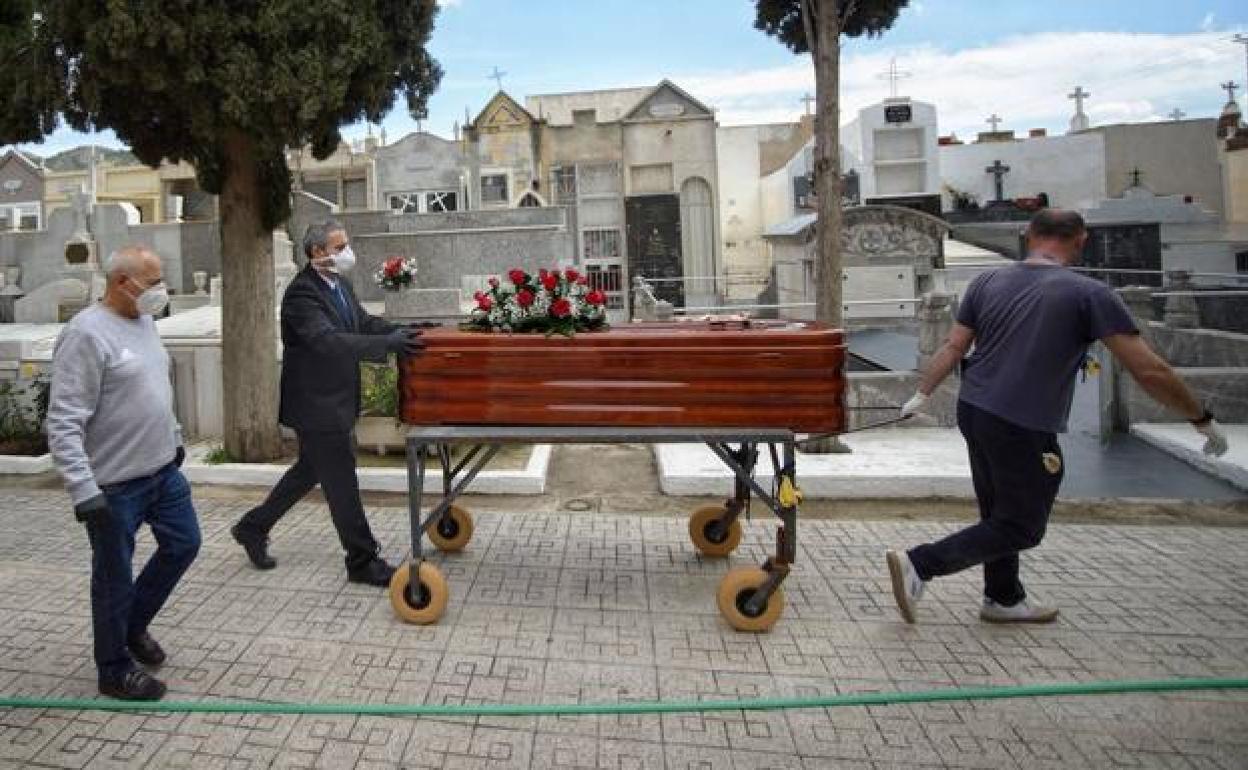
pixel 396 273
pixel 551 302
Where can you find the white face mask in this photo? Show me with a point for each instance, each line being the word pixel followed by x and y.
pixel 151 300
pixel 342 262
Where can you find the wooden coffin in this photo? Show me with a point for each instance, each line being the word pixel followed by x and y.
pixel 767 374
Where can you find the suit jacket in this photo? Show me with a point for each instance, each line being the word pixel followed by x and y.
pixel 322 354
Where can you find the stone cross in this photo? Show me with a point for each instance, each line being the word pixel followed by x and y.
pixel 994 121
pixel 1079 95
pixel 497 76
pixel 1241 40
pixel 998 171
pixel 808 100
pixel 892 75
pixel 81 202
pixel 1230 86
pixel 1177 114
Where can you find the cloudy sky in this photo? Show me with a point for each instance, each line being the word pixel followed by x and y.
pixel 1140 59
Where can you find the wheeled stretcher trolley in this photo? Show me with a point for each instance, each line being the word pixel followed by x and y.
pixel 735 386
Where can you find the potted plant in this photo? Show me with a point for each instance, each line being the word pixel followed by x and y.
pixel 378 426
pixel 23 409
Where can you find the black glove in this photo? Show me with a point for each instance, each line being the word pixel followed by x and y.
pixel 93 511
pixel 405 342
pixel 179 456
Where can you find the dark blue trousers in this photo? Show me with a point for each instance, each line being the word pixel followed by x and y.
pixel 122 606
pixel 1016 472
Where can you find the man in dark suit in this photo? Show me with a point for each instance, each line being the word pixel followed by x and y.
pixel 325 335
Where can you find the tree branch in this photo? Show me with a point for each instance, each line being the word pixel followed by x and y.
pixel 846 12
pixel 810 16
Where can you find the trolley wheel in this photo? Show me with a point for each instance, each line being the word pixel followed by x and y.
pixel 422 603
pixel 709 536
pixel 452 531
pixel 736 588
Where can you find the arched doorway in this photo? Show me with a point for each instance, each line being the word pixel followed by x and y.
pixel 697 229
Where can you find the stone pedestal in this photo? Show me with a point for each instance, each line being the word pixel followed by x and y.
pixel 423 304
pixel 935 321
pixel 1181 311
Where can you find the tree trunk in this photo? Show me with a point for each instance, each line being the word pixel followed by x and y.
pixel 248 323
pixel 826 53
pixel 827 56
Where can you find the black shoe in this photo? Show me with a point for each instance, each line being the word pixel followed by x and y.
pixel 136 685
pixel 374 573
pixel 146 650
pixel 256 546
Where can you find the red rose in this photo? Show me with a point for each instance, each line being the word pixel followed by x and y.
pixel 393 266
pixel 571 275
pixel 561 308
pixel 493 282
pixel 517 276
pixel 596 297
pixel 524 298
pixel 550 281
pixel 484 302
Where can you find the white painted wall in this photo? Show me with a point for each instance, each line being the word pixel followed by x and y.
pixel 1070 168
pixel 894 158
pixel 740 204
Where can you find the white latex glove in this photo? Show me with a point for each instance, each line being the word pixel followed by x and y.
pixel 1216 444
pixel 912 407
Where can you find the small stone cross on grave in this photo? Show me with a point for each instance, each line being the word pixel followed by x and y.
pixel 998 171
pixel 1177 114
pixel 1230 86
pixel 1135 176
pixel 994 120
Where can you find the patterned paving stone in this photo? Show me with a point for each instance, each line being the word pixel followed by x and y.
pixel 595 608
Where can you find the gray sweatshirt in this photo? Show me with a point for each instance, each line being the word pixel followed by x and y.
pixel 110 412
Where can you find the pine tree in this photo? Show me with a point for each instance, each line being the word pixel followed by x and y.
pixel 816 26
pixel 227 85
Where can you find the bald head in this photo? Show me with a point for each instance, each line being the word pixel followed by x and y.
pixel 131 261
pixel 1058 234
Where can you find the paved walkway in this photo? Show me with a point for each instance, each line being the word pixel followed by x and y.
pixel 600 607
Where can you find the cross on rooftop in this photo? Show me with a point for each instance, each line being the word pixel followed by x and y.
pixel 994 120
pixel 892 75
pixel 1230 86
pixel 1079 95
pixel 808 100
pixel 497 76
pixel 1177 114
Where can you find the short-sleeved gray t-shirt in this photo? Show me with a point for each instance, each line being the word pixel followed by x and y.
pixel 1033 324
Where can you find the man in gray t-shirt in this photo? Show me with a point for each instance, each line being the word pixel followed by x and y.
pixel 1031 325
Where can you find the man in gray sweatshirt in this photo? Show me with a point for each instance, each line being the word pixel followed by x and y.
pixel 116 443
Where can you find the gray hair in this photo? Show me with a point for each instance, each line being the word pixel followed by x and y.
pixel 317 235
pixel 127 259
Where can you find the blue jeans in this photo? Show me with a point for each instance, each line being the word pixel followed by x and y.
pixel 1015 485
pixel 121 606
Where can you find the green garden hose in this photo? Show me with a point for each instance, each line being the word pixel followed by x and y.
pixel 630 707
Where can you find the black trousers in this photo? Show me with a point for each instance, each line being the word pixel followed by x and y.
pixel 327 459
pixel 1016 472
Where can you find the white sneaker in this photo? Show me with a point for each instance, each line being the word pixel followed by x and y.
pixel 1023 612
pixel 907 585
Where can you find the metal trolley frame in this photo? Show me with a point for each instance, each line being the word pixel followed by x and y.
pixel 750 598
